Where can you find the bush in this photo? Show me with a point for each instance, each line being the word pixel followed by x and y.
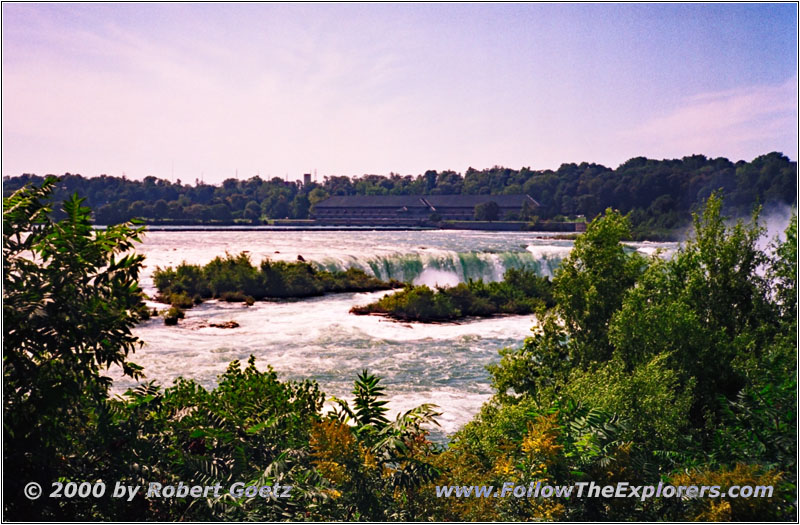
pixel 187 278
pixel 181 300
pixel 521 292
pixel 487 211
pixel 690 358
pixel 172 315
pixel 235 279
pixel 232 297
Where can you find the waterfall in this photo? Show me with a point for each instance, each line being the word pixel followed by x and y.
pixel 444 267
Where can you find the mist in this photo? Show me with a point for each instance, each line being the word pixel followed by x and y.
pixel 775 219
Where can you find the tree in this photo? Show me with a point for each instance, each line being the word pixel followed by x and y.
pixel 220 212
pixel 252 211
pixel 692 358
pixel 70 300
pixel 487 211
pixel 707 307
pixel 658 195
pixel 590 284
pixel 316 195
pixel 300 206
pixel 160 209
pixel 137 209
pixel 784 272
pixel 528 212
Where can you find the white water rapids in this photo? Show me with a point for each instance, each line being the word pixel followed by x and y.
pixel 318 339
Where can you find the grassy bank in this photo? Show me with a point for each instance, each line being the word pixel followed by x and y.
pixel 520 292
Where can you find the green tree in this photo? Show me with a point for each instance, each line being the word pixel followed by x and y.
pixel 70 300
pixel 137 209
pixel 160 209
pixel 317 194
pixel 708 306
pixel 300 206
pixel 588 288
pixel 219 212
pixel 693 356
pixel 590 284
pixel 784 272
pixel 487 211
pixel 252 211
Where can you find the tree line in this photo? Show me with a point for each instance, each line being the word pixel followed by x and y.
pixel 659 194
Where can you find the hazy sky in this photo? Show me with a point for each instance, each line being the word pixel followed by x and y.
pixel 180 90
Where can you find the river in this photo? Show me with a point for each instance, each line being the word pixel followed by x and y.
pixel 318 339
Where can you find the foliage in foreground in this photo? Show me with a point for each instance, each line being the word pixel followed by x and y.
pixel 69 306
pixel 645 370
pixel 234 279
pixel 70 299
pixel 520 292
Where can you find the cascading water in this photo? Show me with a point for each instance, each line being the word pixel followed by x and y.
pixel 448 267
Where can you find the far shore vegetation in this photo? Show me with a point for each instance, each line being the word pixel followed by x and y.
pixel 520 292
pixel 659 195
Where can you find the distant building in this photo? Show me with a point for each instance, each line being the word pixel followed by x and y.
pixel 407 210
pixel 306 179
pixel 462 207
pixel 372 210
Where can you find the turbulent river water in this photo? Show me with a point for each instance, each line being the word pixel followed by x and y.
pixel 318 339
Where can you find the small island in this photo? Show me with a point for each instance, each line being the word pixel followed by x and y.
pixel 236 279
pixel 520 292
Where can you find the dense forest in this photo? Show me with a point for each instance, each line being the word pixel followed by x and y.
pixel 679 371
pixel 659 194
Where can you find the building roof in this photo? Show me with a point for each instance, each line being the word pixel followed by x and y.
pixel 373 201
pixel 470 201
pixel 424 201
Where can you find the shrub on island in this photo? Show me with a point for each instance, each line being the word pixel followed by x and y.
pixel 235 278
pixel 520 292
pixel 172 315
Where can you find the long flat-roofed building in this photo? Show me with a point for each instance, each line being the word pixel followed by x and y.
pixel 412 209
pixel 462 207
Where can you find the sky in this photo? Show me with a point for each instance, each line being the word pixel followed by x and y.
pixel 213 91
